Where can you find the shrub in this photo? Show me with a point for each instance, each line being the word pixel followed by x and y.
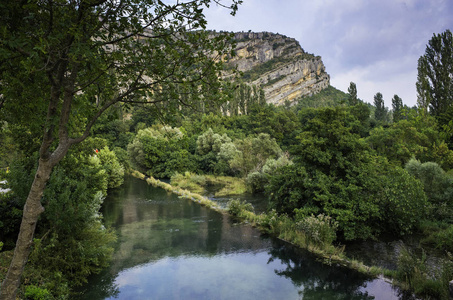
pixel 320 230
pixel 236 207
pixel 161 151
pixel 36 293
pixel 442 239
pixel 113 168
pixel 256 181
pixel 430 283
pixel 336 172
pixel 437 184
pixel 269 221
pixel 254 152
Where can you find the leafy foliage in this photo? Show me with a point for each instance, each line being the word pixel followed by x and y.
pixel 328 97
pixel 336 173
pixel 397 108
pixel 71 241
pixel 352 92
pixel 437 184
pixel 319 230
pixel 256 181
pixel 279 123
pixel 76 243
pixel 438 187
pixel 161 151
pixel 37 293
pixel 112 167
pixel 435 70
pixel 253 153
pixel 236 207
pixel 381 112
pixel 416 137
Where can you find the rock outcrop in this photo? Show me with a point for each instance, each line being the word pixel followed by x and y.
pixel 279 66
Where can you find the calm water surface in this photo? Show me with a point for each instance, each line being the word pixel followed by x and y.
pixel 171 248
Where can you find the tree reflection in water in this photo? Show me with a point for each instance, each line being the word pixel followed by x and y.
pixel 169 247
pixel 320 281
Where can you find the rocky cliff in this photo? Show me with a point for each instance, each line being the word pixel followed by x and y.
pixel 279 66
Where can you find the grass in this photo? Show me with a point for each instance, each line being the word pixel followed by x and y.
pixel 197 183
pixel 231 185
pixel 189 181
pixel 182 193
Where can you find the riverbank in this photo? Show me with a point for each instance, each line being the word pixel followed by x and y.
pixel 280 227
pixel 412 273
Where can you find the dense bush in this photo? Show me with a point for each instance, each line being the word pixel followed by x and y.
pixel 215 152
pixel 415 137
pixel 337 174
pixel 161 151
pixel 319 230
pixel 71 241
pixel 437 184
pixel 236 207
pixel 112 167
pixel 253 153
pixel 74 241
pixel 257 181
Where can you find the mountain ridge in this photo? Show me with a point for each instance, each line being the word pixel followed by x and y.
pixel 279 65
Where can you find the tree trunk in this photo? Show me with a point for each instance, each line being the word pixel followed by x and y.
pixel 32 210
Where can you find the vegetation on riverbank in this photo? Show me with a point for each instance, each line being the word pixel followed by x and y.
pixel 198 183
pixel 345 172
pixel 183 193
pixel 317 235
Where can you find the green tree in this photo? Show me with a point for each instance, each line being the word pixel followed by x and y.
pixel 215 150
pixel 437 184
pixel 417 136
pixel 380 114
pixel 67 63
pixel 253 153
pixel 160 151
pixel 70 241
pixel 336 173
pixel 352 91
pixel 397 106
pixel 435 75
pixel 256 181
pixel 277 122
pixel 114 170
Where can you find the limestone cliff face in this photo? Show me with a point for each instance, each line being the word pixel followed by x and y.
pixel 279 66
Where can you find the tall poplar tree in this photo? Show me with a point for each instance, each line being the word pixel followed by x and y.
pixel 435 75
pixel 397 106
pixel 352 91
pixel 380 112
pixel 66 62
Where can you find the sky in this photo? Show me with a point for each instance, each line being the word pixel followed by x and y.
pixel 374 43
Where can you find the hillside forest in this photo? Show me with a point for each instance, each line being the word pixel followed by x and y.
pixel 333 166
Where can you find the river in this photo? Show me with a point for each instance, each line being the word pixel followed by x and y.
pixel 171 248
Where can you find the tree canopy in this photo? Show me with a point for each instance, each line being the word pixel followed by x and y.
pixel 435 74
pixel 66 62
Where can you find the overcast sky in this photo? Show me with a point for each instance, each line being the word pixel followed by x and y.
pixel 374 43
